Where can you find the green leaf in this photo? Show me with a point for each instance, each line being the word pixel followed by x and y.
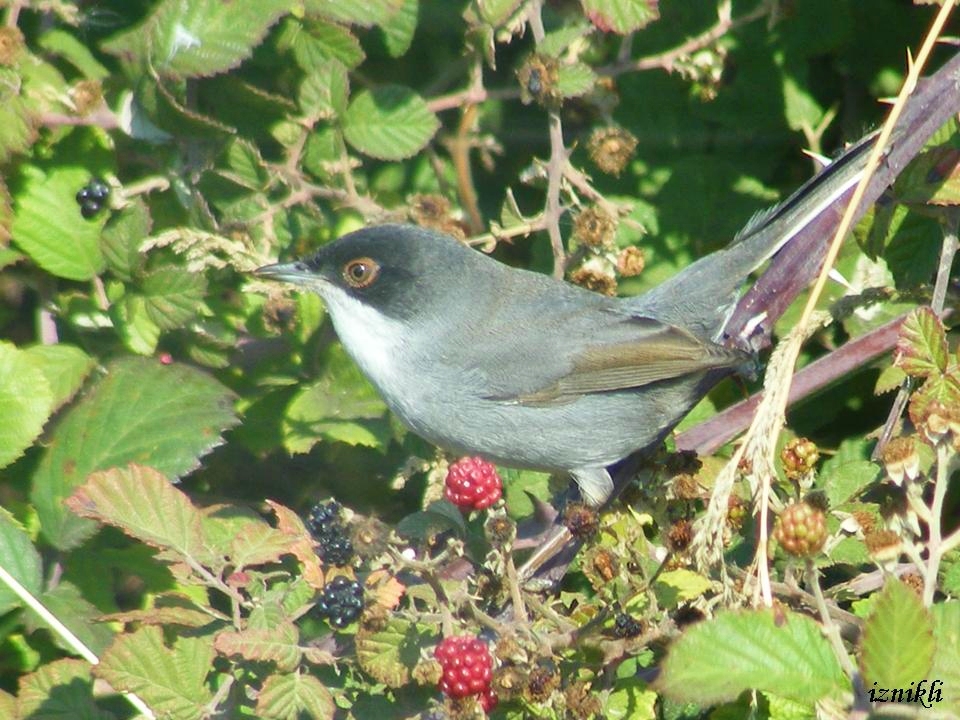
pixel 323 94
pixel 121 239
pixel 173 296
pixel 365 14
pixel 630 700
pixel 676 586
pixel 440 516
pixel 897 645
pixel 497 12
pixel 278 644
pixel 946 661
pixel 59 690
pixel 134 325
pixel 293 696
pixel 202 37
pixel 171 680
pixel 339 406
pixel 20 559
pixel 17 126
pixel 64 366
pixel 398 30
pixel 66 46
pixel 575 80
pixel 922 345
pixel 556 42
pixel 164 416
pixel 315 43
pixel 67 603
pixel 844 482
pixel 246 165
pixel 389 655
pixel 389 123
pixel 26 401
pixel 620 16
pixel 61 242
pixel 780 652
pixel 145 505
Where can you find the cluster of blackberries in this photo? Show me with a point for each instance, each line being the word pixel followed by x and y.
pixel 341 601
pixel 325 523
pixel 626 626
pixel 92 197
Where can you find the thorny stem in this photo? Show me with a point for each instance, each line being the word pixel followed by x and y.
pixel 427 570
pixel 557 162
pixel 833 633
pixel 666 60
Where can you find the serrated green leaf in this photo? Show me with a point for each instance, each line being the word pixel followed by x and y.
pixel 620 16
pixel 67 603
pixel 121 239
pixel 258 543
pixel 946 661
pixel 801 108
pixel 314 43
pixel 675 586
pixel 575 80
pixel 134 325
pixel 62 242
pixel 17 124
pixel 897 646
pixel 26 402
pixel 389 655
pixel 630 700
pixel 59 690
pixel 937 392
pixel 399 29
pixel 170 680
pixel 246 165
pixel 556 42
pixel 173 295
pixel 922 344
pixel 891 378
pixel 293 696
pixel 365 14
pixel 389 123
pixel 200 38
pixel 144 504
pixel 780 652
pixel 20 559
pixel 64 366
pixel 164 416
pixel 323 94
pixel 278 644
pixel 844 482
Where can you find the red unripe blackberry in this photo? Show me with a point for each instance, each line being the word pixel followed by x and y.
pixel 473 483
pixel 467 669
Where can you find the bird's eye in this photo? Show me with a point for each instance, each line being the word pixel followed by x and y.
pixel 361 272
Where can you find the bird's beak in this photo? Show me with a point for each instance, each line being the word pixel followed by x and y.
pixel 293 272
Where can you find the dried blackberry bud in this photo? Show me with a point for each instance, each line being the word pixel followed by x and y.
pixel 594 227
pixel 630 261
pixel 611 149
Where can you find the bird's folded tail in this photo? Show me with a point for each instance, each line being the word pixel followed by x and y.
pixel 701 295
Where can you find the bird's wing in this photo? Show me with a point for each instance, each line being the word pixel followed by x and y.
pixel 635 352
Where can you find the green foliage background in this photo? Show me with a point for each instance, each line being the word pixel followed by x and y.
pixel 235 133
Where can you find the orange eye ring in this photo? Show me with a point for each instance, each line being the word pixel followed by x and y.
pixel 361 272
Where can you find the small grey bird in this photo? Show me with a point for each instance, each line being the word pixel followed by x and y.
pixel 532 372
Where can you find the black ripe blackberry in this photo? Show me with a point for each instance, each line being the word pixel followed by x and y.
pixel 625 626
pixel 326 525
pixel 92 197
pixel 341 601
